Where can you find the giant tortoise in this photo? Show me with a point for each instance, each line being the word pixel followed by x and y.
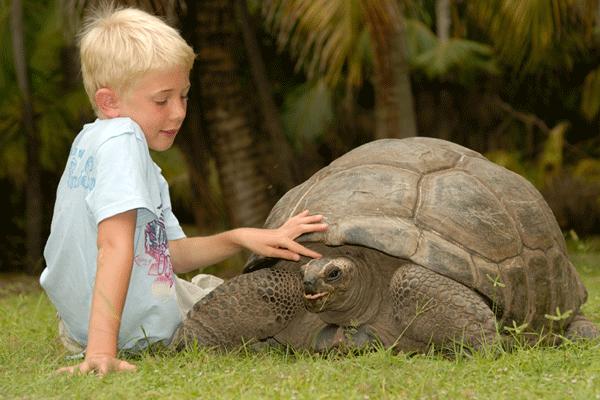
pixel 429 244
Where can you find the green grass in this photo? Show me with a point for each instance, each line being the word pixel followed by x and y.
pixel 30 353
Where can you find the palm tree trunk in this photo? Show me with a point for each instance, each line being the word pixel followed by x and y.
pixel 194 141
pixel 196 150
pixel 597 17
pixel 283 170
pixel 394 104
pixel 226 114
pixel 442 14
pixel 33 202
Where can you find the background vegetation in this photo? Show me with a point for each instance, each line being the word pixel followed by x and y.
pixel 282 87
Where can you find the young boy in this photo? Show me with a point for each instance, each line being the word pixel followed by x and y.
pixel 115 243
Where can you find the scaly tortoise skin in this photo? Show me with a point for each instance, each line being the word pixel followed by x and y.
pixel 429 243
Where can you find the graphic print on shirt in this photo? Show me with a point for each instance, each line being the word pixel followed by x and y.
pixel 86 177
pixel 156 259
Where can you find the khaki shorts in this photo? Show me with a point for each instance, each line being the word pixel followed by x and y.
pixel 187 294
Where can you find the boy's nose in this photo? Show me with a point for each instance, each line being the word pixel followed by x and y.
pixel 179 110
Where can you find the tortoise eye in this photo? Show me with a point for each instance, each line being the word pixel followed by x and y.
pixel 334 274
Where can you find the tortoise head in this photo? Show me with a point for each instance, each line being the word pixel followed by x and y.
pixel 328 282
pixel 341 287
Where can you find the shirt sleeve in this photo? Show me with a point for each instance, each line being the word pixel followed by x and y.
pixel 122 173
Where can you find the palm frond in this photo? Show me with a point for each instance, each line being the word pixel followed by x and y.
pixel 530 34
pixel 72 15
pixel 456 59
pixel 74 10
pixel 325 37
pixel 419 38
pixel 12 141
pixel 56 121
pixel 590 98
pixel 6 63
pixel 308 112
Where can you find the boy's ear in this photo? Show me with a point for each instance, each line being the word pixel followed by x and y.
pixel 107 102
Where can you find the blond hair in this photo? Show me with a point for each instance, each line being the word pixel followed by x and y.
pixel 118 46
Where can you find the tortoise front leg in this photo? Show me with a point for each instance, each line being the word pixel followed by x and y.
pixel 247 308
pixel 431 309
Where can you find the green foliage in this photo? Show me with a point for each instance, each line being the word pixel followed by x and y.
pixel 535 34
pixel 308 112
pixel 458 60
pixel 58 105
pixel 588 169
pixel 175 171
pixel 590 98
pixel 571 188
pixel 419 38
pixel 5 45
pixel 550 160
pixel 511 160
pixel 326 37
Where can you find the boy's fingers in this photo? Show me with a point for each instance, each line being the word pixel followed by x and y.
pixel 84 368
pixel 313 227
pixel 103 369
pixel 297 248
pixel 125 366
pixel 305 217
pixel 310 219
pixel 309 253
pixel 285 255
pixel 306 228
pixel 65 370
pixel 295 220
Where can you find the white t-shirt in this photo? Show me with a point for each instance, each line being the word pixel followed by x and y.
pixel 110 171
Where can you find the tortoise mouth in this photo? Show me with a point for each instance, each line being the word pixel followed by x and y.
pixel 316 302
pixel 315 296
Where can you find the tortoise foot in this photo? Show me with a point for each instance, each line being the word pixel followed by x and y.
pixel 582 328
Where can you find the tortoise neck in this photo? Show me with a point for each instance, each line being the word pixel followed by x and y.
pixel 362 302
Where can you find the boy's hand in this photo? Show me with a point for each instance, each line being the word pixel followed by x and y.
pixel 101 365
pixel 280 243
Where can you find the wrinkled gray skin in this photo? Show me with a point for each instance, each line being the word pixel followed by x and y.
pixel 428 244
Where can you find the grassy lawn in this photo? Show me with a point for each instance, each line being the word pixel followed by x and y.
pixel 30 353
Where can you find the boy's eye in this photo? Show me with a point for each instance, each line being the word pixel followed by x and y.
pixel 161 102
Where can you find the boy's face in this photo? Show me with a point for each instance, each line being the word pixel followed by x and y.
pixel 158 103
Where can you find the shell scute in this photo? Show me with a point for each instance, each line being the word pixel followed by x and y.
pixel 457 206
pixel 419 154
pixel 520 198
pixel 441 256
pixel 540 293
pixel 489 282
pixel 516 291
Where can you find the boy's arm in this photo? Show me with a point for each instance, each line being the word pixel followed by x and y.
pixel 113 270
pixel 192 253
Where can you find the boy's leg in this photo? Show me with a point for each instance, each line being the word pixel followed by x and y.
pixel 189 293
pixel 71 345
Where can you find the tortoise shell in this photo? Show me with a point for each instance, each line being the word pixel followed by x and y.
pixel 448 209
